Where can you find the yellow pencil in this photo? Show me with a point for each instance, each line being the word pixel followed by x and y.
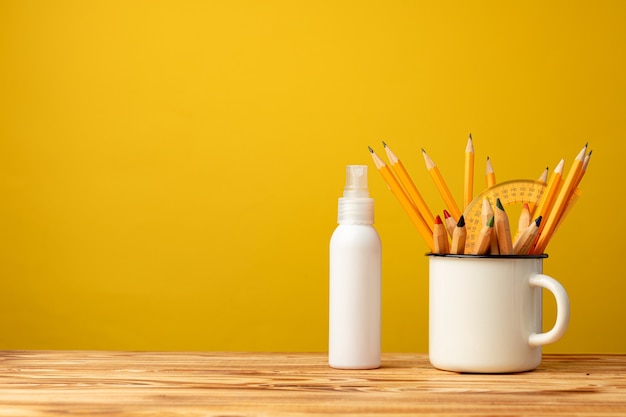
pixel 549 195
pixel 450 222
pixel 569 186
pixel 440 237
pixel 544 175
pixel 494 249
pixel 458 237
pixel 409 186
pixel 468 189
pixel 483 242
pixel 586 161
pixel 486 211
pixel 584 168
pixel 485 214
pixel 575 195
pixel 404 200
pixel 503 230
pixel 543 178
pixel 441 186
pixel 572 201
pixel 524 218
pixel 526 238
pixel 489 174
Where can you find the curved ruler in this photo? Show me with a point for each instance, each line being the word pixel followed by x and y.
pixel 509 192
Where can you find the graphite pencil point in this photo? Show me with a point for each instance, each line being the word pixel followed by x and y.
pixel 461 222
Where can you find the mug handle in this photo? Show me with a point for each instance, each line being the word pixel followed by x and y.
pixel 562 310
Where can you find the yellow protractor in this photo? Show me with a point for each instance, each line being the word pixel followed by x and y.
pixel 509 192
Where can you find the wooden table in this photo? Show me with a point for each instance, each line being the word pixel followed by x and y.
pixel 103 383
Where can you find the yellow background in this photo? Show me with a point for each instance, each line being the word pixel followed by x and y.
pixel 169 170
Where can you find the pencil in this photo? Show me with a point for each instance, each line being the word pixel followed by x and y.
pixel 549 195
pixel 483 243
pixel 586 161
pixel 404 200
pixel 450 222
pixel 524 218
pixel 489 174
pixel 575 194
pixel 572 201
pixel 584 168
pixel 526 238
pixel 494 249
pixel 569 185
pixel 458 237
pixel 440 236
pixel 441 186
pixel 503 230
pixel 468 183
pixel 409 186
pixel 486 211
pixel 485 214
pixel 543 178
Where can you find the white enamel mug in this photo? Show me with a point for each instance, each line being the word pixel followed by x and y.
pixel 485 312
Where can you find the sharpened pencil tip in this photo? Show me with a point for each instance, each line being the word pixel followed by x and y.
pixel 384 144
pixel 538 221
pixel 470 136
pixel 461 222
pixel 499 204
pixel 370 148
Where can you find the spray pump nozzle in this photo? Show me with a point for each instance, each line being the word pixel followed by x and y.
pixel 356 206
pixel 356 182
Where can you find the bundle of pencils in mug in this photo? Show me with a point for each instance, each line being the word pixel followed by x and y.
pixel 544 208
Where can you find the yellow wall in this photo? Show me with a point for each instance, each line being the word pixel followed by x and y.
pixel 169 170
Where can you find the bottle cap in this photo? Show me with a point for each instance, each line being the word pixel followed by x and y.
pixel 356 182
pixel 355 207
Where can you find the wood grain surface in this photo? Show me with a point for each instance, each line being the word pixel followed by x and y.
pixel 99 383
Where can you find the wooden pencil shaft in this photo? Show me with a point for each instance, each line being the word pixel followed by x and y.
pixel 408 207
pixel 441 186
pixel 440 238
pixel 503 231
pixel 403 199
pixel 569 185
pixel 468 183
pixel 450 222
pixel 484 238
pixel 490 176
pixel 457 246
pixel 412 191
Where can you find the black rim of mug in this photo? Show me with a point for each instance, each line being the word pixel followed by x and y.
pixel 450 255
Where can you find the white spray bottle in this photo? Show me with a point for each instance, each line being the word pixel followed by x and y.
pixel 355 279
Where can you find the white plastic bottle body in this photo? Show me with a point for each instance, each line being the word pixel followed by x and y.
pixel 355 297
